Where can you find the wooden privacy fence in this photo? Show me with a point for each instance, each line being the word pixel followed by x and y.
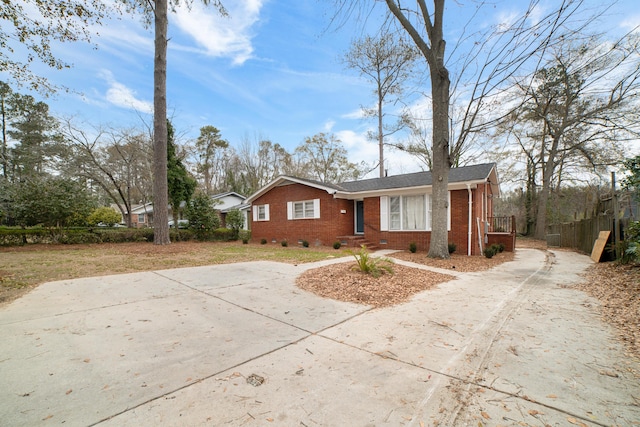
pixel 581 235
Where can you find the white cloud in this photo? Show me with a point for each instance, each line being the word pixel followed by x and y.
pixel 356 114
pixel 538 13
pixel 352 140
pixel 123 96
pixel 222 36
pixel 631 22
pixel 128 35
pixel 506 19
pixel 362 149
pixel 329 124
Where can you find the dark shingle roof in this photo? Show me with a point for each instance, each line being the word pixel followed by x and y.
pixel 315 183
pixel 417 179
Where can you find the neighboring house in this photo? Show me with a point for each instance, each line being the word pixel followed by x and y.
pixel 141 216
pixel 225 202
pixel 388 212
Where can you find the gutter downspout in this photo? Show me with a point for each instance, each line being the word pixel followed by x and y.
pixel 469 239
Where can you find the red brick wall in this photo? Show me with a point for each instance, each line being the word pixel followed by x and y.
pixel 332 224
pixel 401 239
pixel 322 231
pixel 507 239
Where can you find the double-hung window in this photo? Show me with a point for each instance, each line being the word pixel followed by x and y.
pixel 414 214
pixel 406 213
pixel 305 209
pixel 261 212
pixel 395 214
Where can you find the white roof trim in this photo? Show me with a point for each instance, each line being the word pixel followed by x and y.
pixel 461 185
pixel 351 195
pixel 284 178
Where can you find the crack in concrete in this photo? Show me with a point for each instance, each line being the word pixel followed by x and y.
pixel 199 380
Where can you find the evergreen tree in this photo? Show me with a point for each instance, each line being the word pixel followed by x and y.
pixel 180 183
pixel 203 219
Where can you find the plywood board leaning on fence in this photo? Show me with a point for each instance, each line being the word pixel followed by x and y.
pixel 598 246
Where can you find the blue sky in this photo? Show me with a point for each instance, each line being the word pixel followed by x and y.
pixel 271 70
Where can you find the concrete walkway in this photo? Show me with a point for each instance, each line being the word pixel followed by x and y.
pixel 240 344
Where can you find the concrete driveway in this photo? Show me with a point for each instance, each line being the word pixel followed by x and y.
pixel 241 345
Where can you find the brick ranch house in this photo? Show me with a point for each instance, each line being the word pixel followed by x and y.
pixel 386 213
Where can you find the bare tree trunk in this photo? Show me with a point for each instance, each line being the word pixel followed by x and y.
pixel 543 200
pixel 438 246
pixel 530 198
pixel 207 175
pixel 4 138
pixel 380 134
pixel 543 197
pixel 160 186
pixel 433 52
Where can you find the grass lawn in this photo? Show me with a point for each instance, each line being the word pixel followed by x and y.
pixel 24 267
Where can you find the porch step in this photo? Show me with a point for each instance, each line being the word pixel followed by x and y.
pixel 357 242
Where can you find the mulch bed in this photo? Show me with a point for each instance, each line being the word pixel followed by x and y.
pixel 342 283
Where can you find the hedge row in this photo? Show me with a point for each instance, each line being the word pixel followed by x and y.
pixel 19 236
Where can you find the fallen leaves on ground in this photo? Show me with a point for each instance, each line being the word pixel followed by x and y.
pixel 618 289
pixel 457 262
pixel 341 282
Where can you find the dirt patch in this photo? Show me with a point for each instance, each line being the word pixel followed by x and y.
pixel 618 289
pixel 530 243
pixel 342 283
pixel 457 262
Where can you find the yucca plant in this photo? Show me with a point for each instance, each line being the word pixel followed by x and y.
pixel 370 265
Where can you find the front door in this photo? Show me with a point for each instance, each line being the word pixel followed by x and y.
pixel 359 217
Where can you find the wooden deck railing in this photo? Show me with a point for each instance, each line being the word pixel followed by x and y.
pixel 502 224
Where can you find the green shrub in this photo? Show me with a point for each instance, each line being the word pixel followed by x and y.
pixel 284 243
pixel 625 251
pixel 235 221
pixel 245 235
pixel 17 236
pixel 75 238
pixel 489 251
pixel 413 247
pixel 105 215
pixel 122 235
pixel 500 247
pixel 451 247
pixel 370 265
pixel 337 245
pixel 181 235
pixel 305 243
pixel 203 219
pixel 629 248
pixel 263 241
pixel 223 234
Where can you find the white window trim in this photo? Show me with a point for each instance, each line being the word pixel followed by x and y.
pixel 256 213
pixel 291 210
pixel 385 214
pixel 448 210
